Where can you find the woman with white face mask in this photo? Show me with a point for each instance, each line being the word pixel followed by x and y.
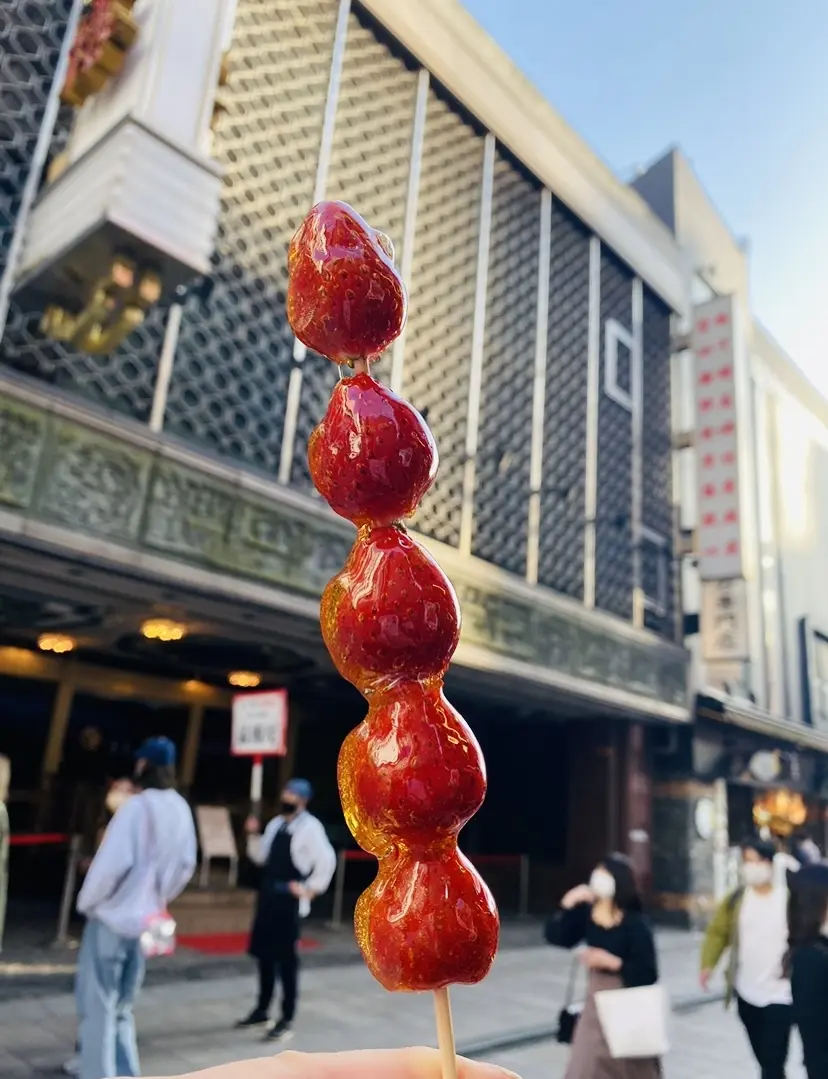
pixel 605 915
pixel 751 923
pixel 807 963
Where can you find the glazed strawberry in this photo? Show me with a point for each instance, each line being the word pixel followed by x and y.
pixel 411 774
pixel 427 921
pixel 391 614
pixel 345 298
pixel 372 458
pixel 413 770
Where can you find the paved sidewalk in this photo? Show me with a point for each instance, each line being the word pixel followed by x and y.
pixel 31 966
pixel 188 1025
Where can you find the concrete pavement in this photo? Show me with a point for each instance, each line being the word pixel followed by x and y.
pixel 188 1025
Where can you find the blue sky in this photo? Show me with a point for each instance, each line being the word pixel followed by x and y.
pixel 740 85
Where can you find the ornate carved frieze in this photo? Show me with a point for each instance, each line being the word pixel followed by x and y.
pixel 63 472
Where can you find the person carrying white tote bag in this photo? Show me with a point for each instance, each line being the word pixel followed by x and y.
pixel 604 919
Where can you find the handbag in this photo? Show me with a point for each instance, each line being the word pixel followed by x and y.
pixel 570 1013
pixel 635 1021
pixel 158 934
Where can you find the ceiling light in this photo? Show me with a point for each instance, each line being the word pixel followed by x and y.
pixel 163 629
pixel 55 642
pixel 244 679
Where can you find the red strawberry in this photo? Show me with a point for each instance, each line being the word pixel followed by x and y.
pixel 372 458
pixel 345 298
pixel 427 921
pixel 412 772
pixel 390 615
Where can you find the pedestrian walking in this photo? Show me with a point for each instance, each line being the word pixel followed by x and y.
pixel 298 864
pixel 751 925
pixel 807 964
pixel 605 915
pixel 119 791
pixel 146 858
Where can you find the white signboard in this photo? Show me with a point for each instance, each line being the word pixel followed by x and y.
pixel 719 525
pixel 724 628
pixel 260 724
pixel 215 833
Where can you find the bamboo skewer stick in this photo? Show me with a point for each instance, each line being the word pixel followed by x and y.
pixel 445 1033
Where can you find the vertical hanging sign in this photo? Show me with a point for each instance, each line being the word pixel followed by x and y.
pixel 719 522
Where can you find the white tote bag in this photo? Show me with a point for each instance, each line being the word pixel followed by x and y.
pixel 635 1022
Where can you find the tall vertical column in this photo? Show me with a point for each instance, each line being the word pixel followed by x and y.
pixel 636 797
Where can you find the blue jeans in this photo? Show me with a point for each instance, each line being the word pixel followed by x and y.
pixel 110 973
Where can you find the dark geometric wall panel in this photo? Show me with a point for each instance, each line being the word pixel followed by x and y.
pixel 657 512
pixel 370 163
pixel 234 354
pixel 613 533
pixel 31 34
pixel 561 561
pixel 505 431
pixel 438 343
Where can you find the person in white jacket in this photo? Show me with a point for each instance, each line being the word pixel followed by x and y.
pixel 146 858
pixel 298 863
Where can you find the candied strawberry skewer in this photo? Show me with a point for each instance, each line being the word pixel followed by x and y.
pixel 411 774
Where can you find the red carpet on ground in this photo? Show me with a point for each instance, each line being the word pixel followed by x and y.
pixel 229 943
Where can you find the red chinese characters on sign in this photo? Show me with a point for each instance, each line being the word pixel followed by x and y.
pixel 719 540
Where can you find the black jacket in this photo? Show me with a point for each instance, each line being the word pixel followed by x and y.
pixel 809 987
pixel 632 941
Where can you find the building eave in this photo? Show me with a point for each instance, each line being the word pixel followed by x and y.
pixel 722 709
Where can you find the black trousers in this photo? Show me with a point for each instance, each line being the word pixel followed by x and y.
pixel 287 968
pixel 769 1031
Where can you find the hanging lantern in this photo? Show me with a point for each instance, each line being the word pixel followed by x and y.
pixel 106 32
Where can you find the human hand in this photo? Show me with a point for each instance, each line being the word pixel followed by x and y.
pixel 367 1064
pixel 600 959
pixel 580 894
pixel 704 979
pixel 297 890
pixel 251 825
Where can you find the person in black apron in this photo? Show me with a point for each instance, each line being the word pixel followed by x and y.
pixel 285 892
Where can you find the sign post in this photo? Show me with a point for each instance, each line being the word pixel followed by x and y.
pixel 259 730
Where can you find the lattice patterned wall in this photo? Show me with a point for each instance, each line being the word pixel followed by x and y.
pixel 234 355
pixel 370 164
pixel 561 563
pixel 657 457
pixel 505 428
pixel 438 344
pixel 31 33
pixel 613 557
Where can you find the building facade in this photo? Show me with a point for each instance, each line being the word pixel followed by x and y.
pixel 755 620
pixel 167 477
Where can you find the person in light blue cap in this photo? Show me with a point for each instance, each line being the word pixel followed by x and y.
pixel 146 858
pixel 298 864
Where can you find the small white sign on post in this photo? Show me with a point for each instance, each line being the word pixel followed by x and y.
pixel 260 724
pixel 259 730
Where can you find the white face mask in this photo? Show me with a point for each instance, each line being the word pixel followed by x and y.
pixel 756 874
pixel 602 884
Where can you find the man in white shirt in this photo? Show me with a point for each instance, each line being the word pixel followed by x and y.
pixel 298 863
pixel 753 923
pixel 146 858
